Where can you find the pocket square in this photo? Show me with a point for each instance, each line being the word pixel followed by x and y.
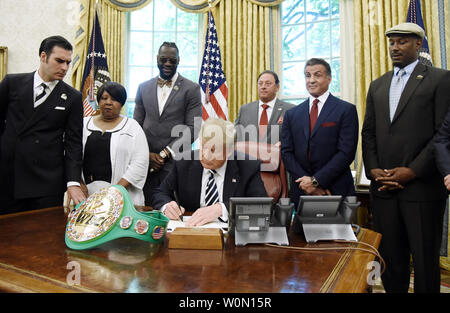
pixel 328 124
pixel 60 108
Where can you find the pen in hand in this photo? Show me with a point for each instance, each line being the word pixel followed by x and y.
pixel 175 195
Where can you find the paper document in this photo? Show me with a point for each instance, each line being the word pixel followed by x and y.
pixel 173 224
pixel 316 232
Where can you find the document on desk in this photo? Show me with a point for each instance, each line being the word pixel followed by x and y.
pixel 173 224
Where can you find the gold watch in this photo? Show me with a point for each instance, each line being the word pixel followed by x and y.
pixel 314 182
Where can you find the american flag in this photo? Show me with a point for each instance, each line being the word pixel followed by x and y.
pixel 212 79
pixel 95 70
pixel 415 16
pixel 158 232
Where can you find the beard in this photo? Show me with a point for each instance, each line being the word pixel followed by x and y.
pixel 165 75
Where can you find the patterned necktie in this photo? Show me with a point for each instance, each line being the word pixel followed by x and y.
pixel 313 115
pixel 162 82
pixel 263 121
pixel 38 100
pixel 395 92
pixel 212 194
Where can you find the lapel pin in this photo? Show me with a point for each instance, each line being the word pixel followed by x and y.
pixel 64 96
pixel 175 87
pixel 419 77
pixel 233 180
pixel 280 120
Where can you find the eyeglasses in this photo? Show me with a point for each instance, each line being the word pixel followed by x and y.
pixel 267 84
pixel 164 60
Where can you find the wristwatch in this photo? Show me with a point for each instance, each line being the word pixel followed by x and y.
pixel 163 154
pixel 314 182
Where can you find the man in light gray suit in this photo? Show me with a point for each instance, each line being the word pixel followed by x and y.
pixel 163 103
pixel 262 119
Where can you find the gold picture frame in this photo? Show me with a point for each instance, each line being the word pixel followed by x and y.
pixel 3 62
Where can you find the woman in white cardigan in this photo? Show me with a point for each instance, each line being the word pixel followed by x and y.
pixel 115 149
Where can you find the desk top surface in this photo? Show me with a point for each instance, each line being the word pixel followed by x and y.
pixel 34 257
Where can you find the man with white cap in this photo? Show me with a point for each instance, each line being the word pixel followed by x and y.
pixel 404 109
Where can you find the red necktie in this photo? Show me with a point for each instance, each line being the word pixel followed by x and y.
pixel 313 116
pixel 263 121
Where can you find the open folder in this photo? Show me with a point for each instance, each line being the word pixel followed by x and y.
pixel 173 224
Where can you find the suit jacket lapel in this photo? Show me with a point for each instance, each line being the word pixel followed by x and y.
pixel 154 103
pixel 276 113
pixel 231 181
pixel 27 94
pixel 173 93
pixel 384 107
pixel 327 108
pixel 411 85
pixel 303 117
pixel 45 107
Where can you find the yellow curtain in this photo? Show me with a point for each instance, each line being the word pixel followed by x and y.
pixel 112 24
pixel 244 35
pixel 3 62
pixel 127 5
pixel 248 32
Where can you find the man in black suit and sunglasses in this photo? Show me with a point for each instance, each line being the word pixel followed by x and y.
pixel 165 103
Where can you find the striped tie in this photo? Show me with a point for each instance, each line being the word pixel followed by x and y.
pixel 39 97
pixel 212 194
pixel 395 92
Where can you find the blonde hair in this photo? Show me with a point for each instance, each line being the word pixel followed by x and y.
pixel 219 130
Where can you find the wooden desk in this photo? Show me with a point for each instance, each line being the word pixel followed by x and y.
pixel 34 258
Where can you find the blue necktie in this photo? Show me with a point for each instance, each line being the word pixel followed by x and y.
pixel 212 194
pixel 395 92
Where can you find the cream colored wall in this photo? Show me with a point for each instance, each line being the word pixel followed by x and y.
pixel 25 23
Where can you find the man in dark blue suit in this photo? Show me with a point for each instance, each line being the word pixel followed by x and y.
pixel 319 138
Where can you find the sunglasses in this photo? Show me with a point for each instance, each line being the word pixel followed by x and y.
pixel 164 60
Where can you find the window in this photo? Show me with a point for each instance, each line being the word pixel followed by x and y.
pixel 310 28
pixel 148 28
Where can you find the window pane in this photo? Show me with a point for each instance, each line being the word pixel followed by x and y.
pixel 293 11
pixel 336 74
pixel 189 72
pixel 142 19
pixel 293 82
pixel 187 43
pixel 317 10
pixel 129 108
pixel 159 38
pixel 293 44
pixel 141 48
pixel 165 13
pixel 187 21
pixel 335 38
pixel 334 8
pixel 138 75
pixel 318 39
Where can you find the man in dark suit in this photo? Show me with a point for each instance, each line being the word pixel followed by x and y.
pixel 205 183
pixel 404 110
pixel 442 145
pixel 165 103
pixel 41 122
pixel 262 120
pixel 319 138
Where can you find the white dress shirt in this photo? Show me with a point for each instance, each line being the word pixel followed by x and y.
pixel 219 178
pixel 164 92
pixel 269 109
pixel 38 88
pixel 408 71
pixel 322 100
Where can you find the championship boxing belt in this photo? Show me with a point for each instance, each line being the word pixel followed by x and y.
pixel 109 214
